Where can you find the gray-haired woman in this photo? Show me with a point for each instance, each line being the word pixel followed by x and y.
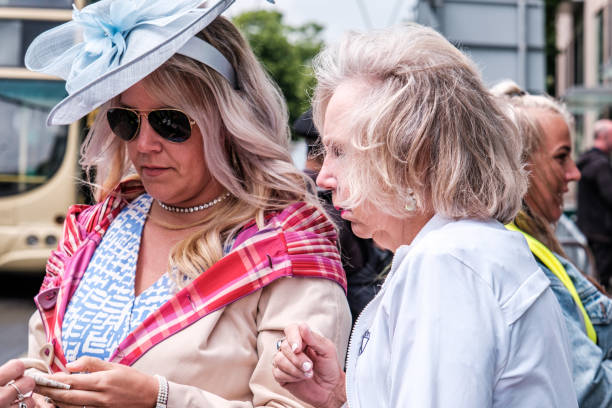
pixel 418 157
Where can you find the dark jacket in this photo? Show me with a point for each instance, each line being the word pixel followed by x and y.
pixel 595 196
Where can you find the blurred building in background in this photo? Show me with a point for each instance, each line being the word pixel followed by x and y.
pixel 584 63
pixel 504 37
pixel 38 164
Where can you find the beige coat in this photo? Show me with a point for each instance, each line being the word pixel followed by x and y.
pixel 225 359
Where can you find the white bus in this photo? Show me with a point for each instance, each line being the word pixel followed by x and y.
pixel 38 164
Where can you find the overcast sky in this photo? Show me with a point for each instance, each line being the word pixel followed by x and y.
pixel 337 16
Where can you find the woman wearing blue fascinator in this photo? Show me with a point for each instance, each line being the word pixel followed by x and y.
pixel 172 290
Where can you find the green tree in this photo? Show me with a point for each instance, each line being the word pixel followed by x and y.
pixel 286 52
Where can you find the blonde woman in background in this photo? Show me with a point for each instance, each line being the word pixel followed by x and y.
pixel 174 288
pixel 418 158
pixel 545 128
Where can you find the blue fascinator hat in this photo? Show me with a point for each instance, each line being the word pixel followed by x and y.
pixel 112 44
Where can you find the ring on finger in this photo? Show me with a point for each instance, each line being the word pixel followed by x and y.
pixel 48 400
pixel 22 405
pixel 20 396
pixel 279 342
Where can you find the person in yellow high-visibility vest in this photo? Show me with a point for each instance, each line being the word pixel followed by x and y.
pixel 545 126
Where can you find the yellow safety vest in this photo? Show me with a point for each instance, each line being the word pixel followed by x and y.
pixel 549 259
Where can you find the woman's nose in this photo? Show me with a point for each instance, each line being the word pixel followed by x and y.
pixel 326 178
pixel 572 173
pixel 147 139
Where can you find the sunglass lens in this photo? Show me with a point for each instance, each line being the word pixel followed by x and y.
pixel 170 124
pixel 123 123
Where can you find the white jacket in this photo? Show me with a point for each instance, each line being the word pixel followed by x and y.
pixel 465 319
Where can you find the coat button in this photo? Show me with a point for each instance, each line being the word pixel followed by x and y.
pixel 47 298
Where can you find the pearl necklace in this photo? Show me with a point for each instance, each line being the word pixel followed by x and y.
pixel 195 208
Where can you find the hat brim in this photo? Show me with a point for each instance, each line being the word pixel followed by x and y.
pixel 133 68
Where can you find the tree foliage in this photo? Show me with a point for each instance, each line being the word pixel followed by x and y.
pixel 285 51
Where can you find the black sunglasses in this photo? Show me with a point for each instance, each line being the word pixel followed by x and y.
pixel 171 124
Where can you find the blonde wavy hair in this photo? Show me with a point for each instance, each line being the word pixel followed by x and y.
pixel 527 108
pixel 426 128
pixel 250 159
pixel 522 102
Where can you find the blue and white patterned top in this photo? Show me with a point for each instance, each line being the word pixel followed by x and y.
pixel 104 310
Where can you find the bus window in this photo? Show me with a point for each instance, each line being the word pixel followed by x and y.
pixel 30 152
pixel 38 164
pixel 16 36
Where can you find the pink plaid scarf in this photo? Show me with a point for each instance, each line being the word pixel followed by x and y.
pixel 299 241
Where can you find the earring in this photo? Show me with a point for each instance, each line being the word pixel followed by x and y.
pixel 411 203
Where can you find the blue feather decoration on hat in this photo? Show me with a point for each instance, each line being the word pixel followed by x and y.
pixel 106 26
pixel 112 44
